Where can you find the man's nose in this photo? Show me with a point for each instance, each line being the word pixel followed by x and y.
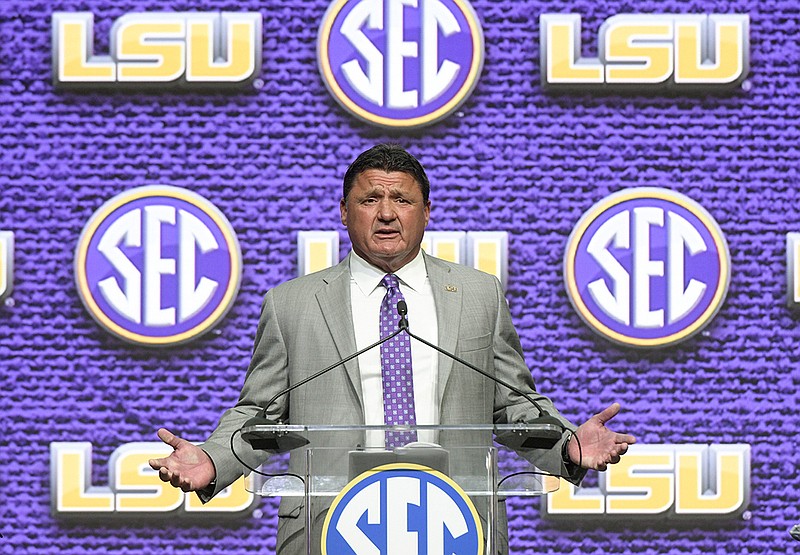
pixel 386 211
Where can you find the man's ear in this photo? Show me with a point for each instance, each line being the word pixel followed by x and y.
pixel 343 211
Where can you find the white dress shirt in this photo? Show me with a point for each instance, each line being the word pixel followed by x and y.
pixel 366 295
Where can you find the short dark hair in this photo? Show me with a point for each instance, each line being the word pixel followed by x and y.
pixel 389 158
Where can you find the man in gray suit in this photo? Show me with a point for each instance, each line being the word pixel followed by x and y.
pixel 311 322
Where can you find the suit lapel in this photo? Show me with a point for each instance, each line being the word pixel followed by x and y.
pixel 447 297
pixel 334 302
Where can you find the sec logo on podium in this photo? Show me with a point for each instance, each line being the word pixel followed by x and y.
pixel 402 509
pixel 647 267
pixel 158 265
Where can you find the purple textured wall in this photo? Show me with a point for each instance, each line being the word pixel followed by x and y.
pixel 512 159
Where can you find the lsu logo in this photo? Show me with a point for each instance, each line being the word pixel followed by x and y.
pixel 134 489
pixel 647 267
pixel 158 49
pixel 158 265
pixel 402 508
pixel 645 51
pixel 400 63
pixel 6 264
pixel 662 481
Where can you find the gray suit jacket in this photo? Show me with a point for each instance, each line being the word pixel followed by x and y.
pixel 306 324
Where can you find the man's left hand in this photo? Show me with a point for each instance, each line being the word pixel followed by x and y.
pixel 599 446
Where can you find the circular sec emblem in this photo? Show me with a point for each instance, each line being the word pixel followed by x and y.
pixel 647 267
pixel 409 507
pixel 400 64
pixel 158 265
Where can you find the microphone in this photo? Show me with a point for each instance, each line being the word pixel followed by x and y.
pixel 282 441
pixel 795 532
pixel 545 437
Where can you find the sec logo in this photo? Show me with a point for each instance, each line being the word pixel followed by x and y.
pixel 402 509
pixel 400 63
pixel 647 267
pixel 158 265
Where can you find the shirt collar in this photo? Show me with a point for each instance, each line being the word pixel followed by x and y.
pixel 368 277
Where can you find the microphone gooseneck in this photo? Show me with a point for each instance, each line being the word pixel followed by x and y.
pixel 544 438
pixel 402 310
pixel 280 442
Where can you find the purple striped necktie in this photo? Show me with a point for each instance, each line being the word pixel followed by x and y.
pixel 398 379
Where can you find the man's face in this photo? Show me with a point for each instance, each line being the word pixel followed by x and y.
pixel 385 216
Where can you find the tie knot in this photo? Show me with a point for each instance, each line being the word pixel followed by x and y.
pixel 390 281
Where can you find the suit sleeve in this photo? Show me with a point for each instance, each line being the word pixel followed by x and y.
pixel 266 376
pixel 509 407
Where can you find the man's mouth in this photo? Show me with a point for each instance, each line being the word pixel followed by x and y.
pixel 386 233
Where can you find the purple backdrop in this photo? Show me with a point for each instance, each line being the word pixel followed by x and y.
pixel 512 158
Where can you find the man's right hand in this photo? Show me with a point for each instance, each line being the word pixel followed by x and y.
pixel 188 467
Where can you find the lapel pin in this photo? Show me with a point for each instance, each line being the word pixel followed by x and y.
pixel 451 288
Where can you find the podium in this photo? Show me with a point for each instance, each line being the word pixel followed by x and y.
pixel 441 494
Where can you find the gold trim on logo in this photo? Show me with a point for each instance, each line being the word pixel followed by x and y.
pixel 663 194
pixel 81 251
pixel 323 60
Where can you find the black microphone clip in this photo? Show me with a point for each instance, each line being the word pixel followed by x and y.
pixel 402 310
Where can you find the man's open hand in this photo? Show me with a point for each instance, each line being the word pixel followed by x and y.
pixel 599 446
pixel 188 467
